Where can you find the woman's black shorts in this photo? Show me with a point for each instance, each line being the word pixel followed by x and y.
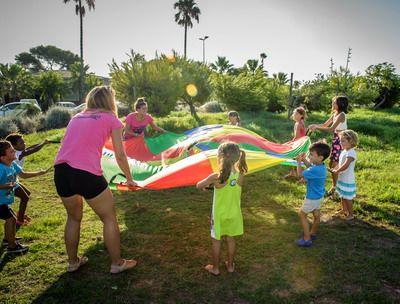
pixel 70 181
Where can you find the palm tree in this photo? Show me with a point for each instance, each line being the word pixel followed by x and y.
pixel 262 58
pixel 187 10
pixel 81 11
pixel 281 78
pixel 252 65
pixel 15 82
pixel 222 65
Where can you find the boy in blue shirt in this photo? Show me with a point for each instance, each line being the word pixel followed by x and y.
pixel 9 170
pixel 315 177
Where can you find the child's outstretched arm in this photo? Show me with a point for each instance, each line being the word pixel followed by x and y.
pixel 344 166
pixel 24 174
pixel 326 127
pixel 33 149
pixel 211 179
pixel 7 186
pixel 301 158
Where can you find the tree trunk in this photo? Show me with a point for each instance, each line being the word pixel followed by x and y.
pixel 80 88
pixel 193 111
pixel 185 40
pixel 380 103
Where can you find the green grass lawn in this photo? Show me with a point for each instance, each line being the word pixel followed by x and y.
pixel 168 233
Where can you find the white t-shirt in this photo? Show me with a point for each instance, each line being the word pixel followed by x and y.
pixel 341 126
pixel 21 161
pixel 348 175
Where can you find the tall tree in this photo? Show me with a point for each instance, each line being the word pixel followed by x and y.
pixel 187 10
pixel 80 10
pixel 222 65
pixel 45 58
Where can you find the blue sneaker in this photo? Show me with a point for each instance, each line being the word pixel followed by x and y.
pixel 303 243
pixel 313 236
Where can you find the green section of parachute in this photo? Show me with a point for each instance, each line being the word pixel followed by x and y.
pixel 161 143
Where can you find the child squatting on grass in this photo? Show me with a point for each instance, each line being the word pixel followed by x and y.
pixel 346 183
pixel 21 191
pixel 9 170
pixel 226 215
pixel 315 177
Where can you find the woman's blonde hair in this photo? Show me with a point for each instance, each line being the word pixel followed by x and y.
pixel 229 154
pixel 102 98
pixel 351 137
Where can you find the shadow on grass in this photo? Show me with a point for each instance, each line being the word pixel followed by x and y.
pixel 168 232
pixel 6 257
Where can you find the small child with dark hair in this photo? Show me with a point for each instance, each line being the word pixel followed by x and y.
pixel 21 191
pixel 234 118
pixel 315 177
pixel 9 170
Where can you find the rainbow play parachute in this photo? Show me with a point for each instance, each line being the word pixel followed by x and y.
pixel 178 160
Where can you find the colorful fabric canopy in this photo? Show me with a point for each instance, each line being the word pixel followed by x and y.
pixel 177 160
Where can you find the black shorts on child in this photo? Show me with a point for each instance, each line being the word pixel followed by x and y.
pixel 71 181
pixel 6 212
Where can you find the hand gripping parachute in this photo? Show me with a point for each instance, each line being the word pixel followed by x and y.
pixel 178 160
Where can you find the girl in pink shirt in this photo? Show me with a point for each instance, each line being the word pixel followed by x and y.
pixel 78 175
pixel 299 130
pixel 136 122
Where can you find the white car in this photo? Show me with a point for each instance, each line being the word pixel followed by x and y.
pixel 66 104
pixel 18 108
pixel 30 100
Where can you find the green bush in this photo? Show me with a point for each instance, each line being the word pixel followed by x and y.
pixel 7 126
pixel 211 107
pixel 26 124
pixel 57 117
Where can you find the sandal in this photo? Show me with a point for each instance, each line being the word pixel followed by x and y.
pixel 330 192
pixel 127 264
pixel 72 267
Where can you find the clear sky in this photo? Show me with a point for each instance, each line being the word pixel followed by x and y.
pixel 298 36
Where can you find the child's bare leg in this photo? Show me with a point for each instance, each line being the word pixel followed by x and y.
pixel 332 165
pixel 304 223
pixel 24 197
pixel 216 249
pixel 231 253
pixel 9 232
pixel 349 207
pixel 344 206
pixel 314 227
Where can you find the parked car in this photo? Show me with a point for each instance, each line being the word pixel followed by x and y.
pixel 79 108
pixel 30 100
pixel 66 104
pixel 19 108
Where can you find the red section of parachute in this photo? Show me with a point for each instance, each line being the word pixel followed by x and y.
pixel 136 148
pixel 187 173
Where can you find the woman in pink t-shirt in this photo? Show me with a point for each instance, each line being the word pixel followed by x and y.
pixel 136 122
pixel 78 174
